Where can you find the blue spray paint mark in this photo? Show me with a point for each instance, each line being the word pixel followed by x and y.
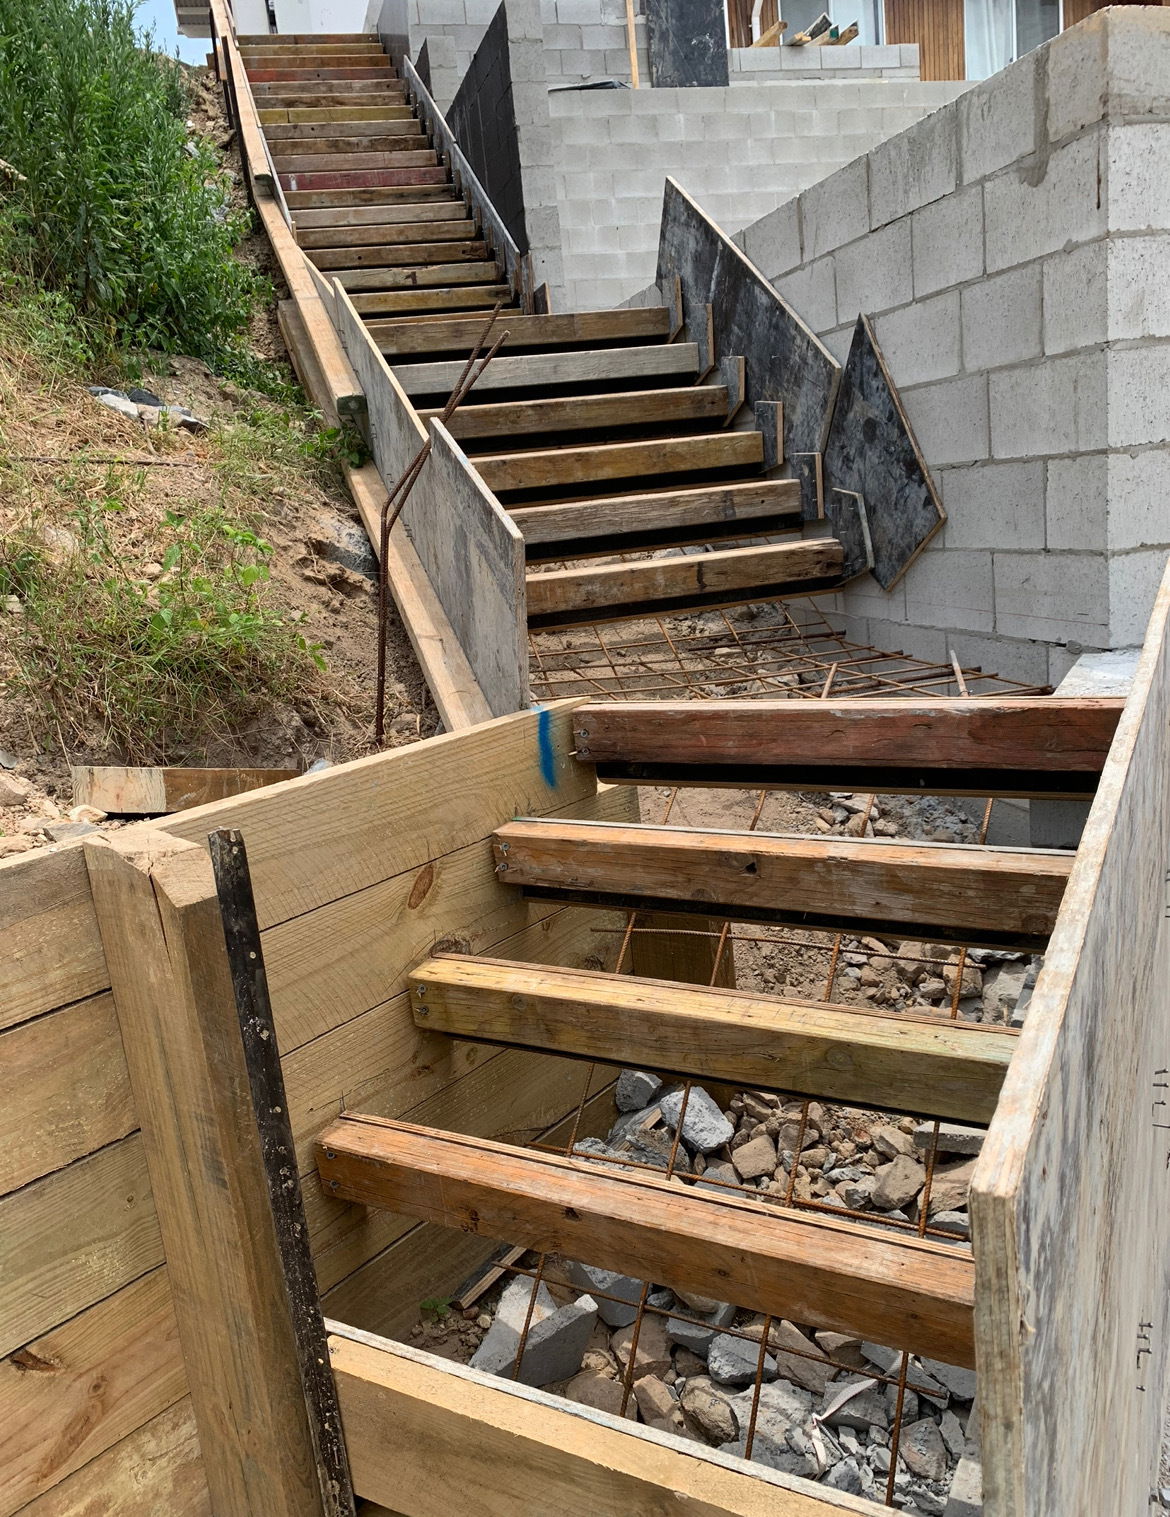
pixel 548 762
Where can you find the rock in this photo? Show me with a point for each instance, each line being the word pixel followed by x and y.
pixel 61 832
pixel 656 1401
pixel 704 1126
pixel 591 1389
pixel 1002 988
pixel 635 1089
pixel 708 1411
pixel 897 1184
pixel 805 1366
pixel 755 1158
pixel 13 789
pixel 734 1361
pixel 949 1186
pixel 697 1336
pixel 956 1222
pixel 952 1138
pixel 888 1360
pixel 864 1410
pixel 952 1435
pixel 960 1382
pixel 971 983
pixel 846 1476
pixel 86 814
pixel 781 1409
pixel 616 1313
pixel 704 1305
pixel 923 1450
pixel 841 1347
pixel 892 1141
pixel 18 843
pixel 115 400
pixel 557 1336
pixel 687 1364
pixel 653 1356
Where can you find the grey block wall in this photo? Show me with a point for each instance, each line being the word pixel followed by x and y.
pixel 1013 249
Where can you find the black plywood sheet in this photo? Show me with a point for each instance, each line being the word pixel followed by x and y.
pixel 688 42
pixel 871 450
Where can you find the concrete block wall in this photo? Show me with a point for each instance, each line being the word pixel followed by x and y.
pixel 1013 251
pixel 854 61
pixel 740 151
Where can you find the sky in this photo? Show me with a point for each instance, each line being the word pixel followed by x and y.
pixel 160 14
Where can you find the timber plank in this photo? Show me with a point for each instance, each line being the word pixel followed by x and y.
pixel 581 527
pixel 573 413
pixel 926 1065
pixel 383 86
pixel 915 889
pixel 334 220
pixel 64 1090
pixel 407 156
pixel 310 133
pixel 364 179
pixel 392 254
pixel 584 327
pixel 50 950
pixel 562 597
pixel 373 70
pixel 72 1394
pixel 545 468
pixel 413 275
pixel 482 296
pixel 459 1429
pixel 837 1275
pixel 337 200
pixel 1018 746
pixel 581 367
pixel 451 229
pixel 282 115
pixel 155 792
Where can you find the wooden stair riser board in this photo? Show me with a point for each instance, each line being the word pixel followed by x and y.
pixel 920 891
pixel 1044 746
pixel 312 200
pixel 629 522
pixel 327 54
pixel 570 466
pixel 415 276
pixel 364 179
pixel 476 423
pixel 347 261
pixel 836 1275
pixel 291 153
pixel 323 91
pixel 419 300
pixel 309 132
pixel 339 221
pixel 299 39
pixel 930 1066
pixel 408 156
pixel 310 75
pixel 331 115
pixel 563 597
pixel 585 328
pixel 580 367
pixel 257 62
pixel 320 240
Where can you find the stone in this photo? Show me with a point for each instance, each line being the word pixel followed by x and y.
pixel 923 1450
pixel 960 1382
pixel 805 1365
pixel 781 1409
pixel 843 1348
pixel 887 1360
pixel 719 1174
pixel 897 1184
pixel 776 1456
pixel 656 1401
pixel 704 1126
pixel 653 1356
pixel 115 401
pixel 61 832
pixel 1002 988
pixel 949 1186
pixel 845 1476
pixel 864 1410
pixel 952 1138
pixel 557 1336
pixel 635 1089
pixel 704 1305
pixel 697 1336
pixel 687 1364
pixel 734 1361
pixel 953 1435
pixel 957 1223
pixel 892 1141
pixel 616 1313
pixel 86 814
pixel 592 1389
pixel 19 843
pixel 756 1158
pixel 13 789
pixel 708 1411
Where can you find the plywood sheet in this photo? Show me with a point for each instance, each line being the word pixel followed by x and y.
pixel 688 43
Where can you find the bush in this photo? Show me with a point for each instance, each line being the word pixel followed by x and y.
pixel 118 210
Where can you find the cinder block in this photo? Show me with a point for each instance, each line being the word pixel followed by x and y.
pixel 998 121
pixel 1139 395
pixel 836 211
pixel 557 38
pixel 838 341
pixel 1036 209
pixel 1138 286
pixel 811 292
pixel 951 588
pixel 1009 657
pixel 875 273
pixel 991 505
pixel 1076 78
pixel 1133 583
pixel 1138 187
pixel 950 420
pixel 1054 597
pixel 1057 406
pixel 1079 503
pixel 773 243
pixel 921 341
pixel 913 169
pixel 575 12
pixel 1002 318
pixel 1076 290
pixel 948 241
pixel 1139 489
pixel 1139 63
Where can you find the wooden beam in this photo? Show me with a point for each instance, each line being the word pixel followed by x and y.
pixel 837 1275
pixel 577 413
pixel 157 792
pixel 450 229
pixel 368 262
pixel 1018 746
pixel 534 369
pixel 525 331
pixel 164 944
pixel 562 597
pixel 465 297
pixel 412 275
pixel 561 467
pixel 458 1430
pixel 921 1064
pixel 910 890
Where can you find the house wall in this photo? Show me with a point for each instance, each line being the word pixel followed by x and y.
pixel 855 61
pixel 1013 250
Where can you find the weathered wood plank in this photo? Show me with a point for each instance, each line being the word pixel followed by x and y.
pixel 45 908
pixel 335 220
pixel 526 331
pixel 64 1090
pixel 433 298
pixel 452 229
pixel 926 1065
pixel 154 792
pixel 548 468
pixel 536 369
pixel 354 264
pixel 837 1275
pixel 562 597
pixel 407 156
pixel 911 889
pixel 575 413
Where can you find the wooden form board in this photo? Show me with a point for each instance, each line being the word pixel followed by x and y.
pixel 155 792
pixel 463 1431
pixel 1068 1199
pixel 688 43
pixel 784 360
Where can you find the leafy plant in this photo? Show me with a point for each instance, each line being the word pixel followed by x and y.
pixel 438 1308
pixel 337 445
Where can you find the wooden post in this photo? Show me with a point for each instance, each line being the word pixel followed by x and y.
pixel 632 43
pixel 164 943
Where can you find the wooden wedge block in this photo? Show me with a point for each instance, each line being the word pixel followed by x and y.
pixel 935 892
pixel 536 369
pixel 837 1275
pixel 1018 746
pixel 590 327
pixel 931 1066
pixel 157 792
pixel 727 576
pixel 547 468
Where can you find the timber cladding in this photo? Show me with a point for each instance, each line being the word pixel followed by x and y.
pixel 359 872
